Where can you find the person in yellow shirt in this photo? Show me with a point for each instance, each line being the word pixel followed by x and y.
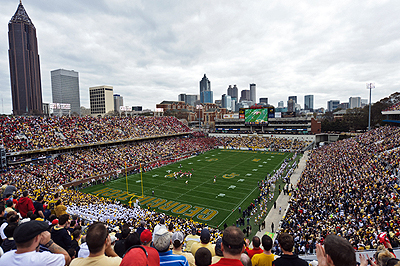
pixel 266 258
pixel 60 209
pixel 52 203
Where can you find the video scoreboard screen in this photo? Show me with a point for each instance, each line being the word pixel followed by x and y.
pixel 257 116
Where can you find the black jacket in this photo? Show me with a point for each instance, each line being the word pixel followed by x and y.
pixel 61 237
pixel 289 260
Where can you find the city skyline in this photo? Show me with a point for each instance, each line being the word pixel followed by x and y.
pixel 152 51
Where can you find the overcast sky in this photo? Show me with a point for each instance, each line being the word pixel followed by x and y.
pixel 151 51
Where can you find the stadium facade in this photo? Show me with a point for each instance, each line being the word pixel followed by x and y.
pixel 26 88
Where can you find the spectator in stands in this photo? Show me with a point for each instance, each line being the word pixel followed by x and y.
pixel 191 238
pixel 204 242
pixel 38 205
pixel 99 243
pixel 9 243
pixel 159 226
pixel 202 257
pixel 25 204
pixel 141 255
pixel 266 258
pixel 119 246
pixel 245 259
pixel 161 242
pixel 177 242
pixel 256 247
pixel 218 251
pixel 9 190
pixel 336 251
pixel 286 244
pixel 83 248
pixel 232 246
pixel 60 209
pixel 142 226
pixel 76 236
pixel 27 237
pixel 60 234
pixel 52 203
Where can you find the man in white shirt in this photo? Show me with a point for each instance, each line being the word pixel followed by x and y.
pixel 27 237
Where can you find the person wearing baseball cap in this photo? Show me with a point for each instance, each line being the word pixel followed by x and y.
pixel 161 242
pixel 143 255
pixel 204 243
pixel 177 242
pixel 27 237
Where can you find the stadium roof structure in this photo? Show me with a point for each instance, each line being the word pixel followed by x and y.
pixel 21 16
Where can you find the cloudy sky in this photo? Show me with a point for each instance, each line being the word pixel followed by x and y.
pixel 151 51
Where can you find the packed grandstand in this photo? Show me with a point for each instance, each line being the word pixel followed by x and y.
pixel 349 188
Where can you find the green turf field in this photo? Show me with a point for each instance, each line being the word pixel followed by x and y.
pixel 200 199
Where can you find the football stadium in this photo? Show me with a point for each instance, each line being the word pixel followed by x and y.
pixel 135 171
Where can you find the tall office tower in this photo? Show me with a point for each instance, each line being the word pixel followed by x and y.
pixel 355 102
pixel 207 97
pixel 245 95
pixel 226 102
pixel 264 100
pixel 118 102
pixel 205 85
pixel 364 102
pixel 280 104
pixel 65 89
pixel 101 100
pixel 294 98
pixel 182 97
pixel 26 87
pixel 291 105
pixel 309 102
pixel 332 105
pixel 253 96
pixel 233 92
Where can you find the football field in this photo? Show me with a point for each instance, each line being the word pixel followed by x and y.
pixel 169 190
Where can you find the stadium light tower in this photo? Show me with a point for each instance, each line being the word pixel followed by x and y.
pixel 370 86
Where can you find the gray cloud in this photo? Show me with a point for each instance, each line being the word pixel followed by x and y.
pixel 154 50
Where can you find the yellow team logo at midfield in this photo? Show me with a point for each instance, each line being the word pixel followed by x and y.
pixel 229 176
pixel 212 160
pixel 256 160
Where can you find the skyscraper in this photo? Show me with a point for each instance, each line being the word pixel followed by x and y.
pixel 245 95
pixel 233 92
pixel 205 88
pixel 332 105
pixel 253 96
pixel 118 102
pixel 309 102
pixel 226 102
pixel 26 88
pixel 294 98
pixel 65 89
pixel 355 102
pixel 101 100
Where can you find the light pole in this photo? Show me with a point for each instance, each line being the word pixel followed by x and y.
pixel 370 86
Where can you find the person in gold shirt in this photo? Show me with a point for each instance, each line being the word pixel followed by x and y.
pixel 52 203
pixel 60 209
pixel 266 258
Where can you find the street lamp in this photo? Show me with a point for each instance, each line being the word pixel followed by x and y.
pixel 370 86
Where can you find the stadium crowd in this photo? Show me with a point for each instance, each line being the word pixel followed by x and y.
pixel 32 133
pixel 272 144
pixel 349 188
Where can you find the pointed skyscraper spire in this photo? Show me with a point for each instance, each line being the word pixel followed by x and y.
pixel 21 15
